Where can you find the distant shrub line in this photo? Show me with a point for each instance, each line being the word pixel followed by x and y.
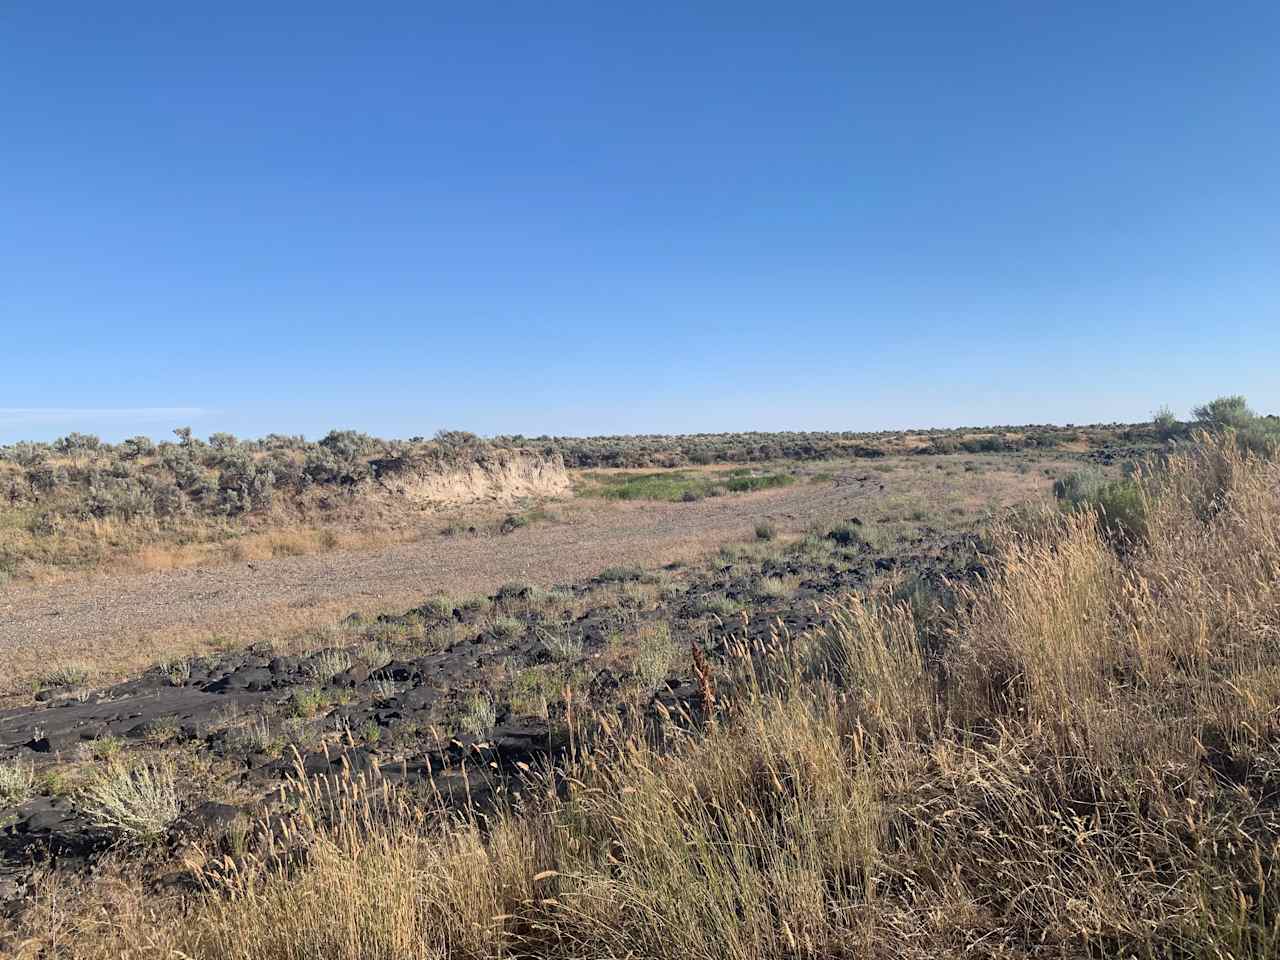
pixel 79 477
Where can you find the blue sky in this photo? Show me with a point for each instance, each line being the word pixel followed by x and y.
pixel 615 218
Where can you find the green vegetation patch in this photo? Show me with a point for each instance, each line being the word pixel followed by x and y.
pixel 678 485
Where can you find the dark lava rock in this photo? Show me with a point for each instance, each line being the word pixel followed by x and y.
pixel 210 819
pixel 417 699
pixel 398 670
pixel 245 678
pixel 355 759
pixel 410 771
pixel 282 666
pixel 603 684
pixel 155 729
pixel 46 815
pixel 56 743
pixel 353 677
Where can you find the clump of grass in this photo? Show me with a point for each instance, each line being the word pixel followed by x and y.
pixel 718 604
pixel 776 588
pixel 655 652
pixel 106 748
pixel 514 521
pixel 507 628
pixel 178 671
pixel 478 714
pixel 620 574
pixel 514 590
pixel 746 484
pixel 255 736
pixel 307 702
pixel 562 647
pixel 17 781
pixel 71 674
pixel 533 689
pixel 438 606
pixel 138 801
pixel 375 654
pixel 327 664
pixel 846 535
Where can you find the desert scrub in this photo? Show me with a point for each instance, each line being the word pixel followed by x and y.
pixel 17 781
pixel 655 653
pixel 136 801
pixel 1040 785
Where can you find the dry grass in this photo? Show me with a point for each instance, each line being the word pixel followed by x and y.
pixel 107 548
pixel 1083 764
pixel 17 781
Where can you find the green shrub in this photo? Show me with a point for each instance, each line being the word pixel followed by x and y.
pixel 1079 485
pixel 1119 504
pixel 1261 437
pixel 1232 411
pixel 1165 423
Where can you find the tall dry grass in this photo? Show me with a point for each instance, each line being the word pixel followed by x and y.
pixel 1086 763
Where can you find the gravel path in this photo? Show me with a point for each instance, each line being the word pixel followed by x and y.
pixel 39 625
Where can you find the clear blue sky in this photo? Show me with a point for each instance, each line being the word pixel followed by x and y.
pixel 599 218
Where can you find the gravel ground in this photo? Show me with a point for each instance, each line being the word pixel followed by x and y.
pixel 122 622
pixel 39 620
